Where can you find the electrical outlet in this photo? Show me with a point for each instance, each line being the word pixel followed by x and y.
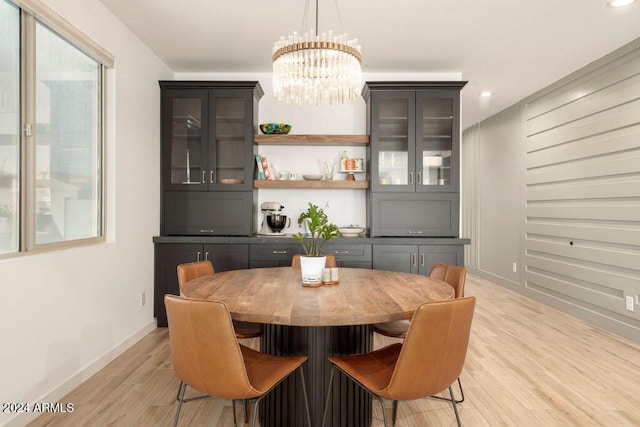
pixel 629 301
pixel 514 267
pixel 143 300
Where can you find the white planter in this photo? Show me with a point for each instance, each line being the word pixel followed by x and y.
pixel 311 268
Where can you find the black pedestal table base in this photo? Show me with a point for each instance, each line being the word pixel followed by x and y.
pixel 284 406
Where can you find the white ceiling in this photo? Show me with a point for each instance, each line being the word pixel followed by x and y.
pixel 510 47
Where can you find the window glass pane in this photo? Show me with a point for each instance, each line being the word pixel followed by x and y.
pixel 68 141
pixel 9 127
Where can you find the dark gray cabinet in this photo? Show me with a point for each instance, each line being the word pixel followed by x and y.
pixel 273 255
pixel 207 131
pixel 350 256
pixel 215 213
pixel 280 254
pixel 168 256
pixel 416 259
pixel 415 158
pixel 408 215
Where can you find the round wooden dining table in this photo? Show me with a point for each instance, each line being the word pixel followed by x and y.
pixel 317 322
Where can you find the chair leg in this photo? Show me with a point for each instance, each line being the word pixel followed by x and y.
pixel 326 402
pixel 233 409
pixel 179 388
pixel 394 413
pixel 255 410
pixel 304 394
pixel 457 400
pixel 181 391
pixel 245 407
pixel 384 413
pixel 204 396
pixel 455 408
pixel 461 391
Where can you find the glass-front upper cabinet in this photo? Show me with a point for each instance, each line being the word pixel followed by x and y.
pixel 230 156
pixel 186 148
pixel 393 141
pixel 414 140
pixel 436 144
pixel 207 139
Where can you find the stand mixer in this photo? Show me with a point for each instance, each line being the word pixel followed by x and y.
pixel 273 222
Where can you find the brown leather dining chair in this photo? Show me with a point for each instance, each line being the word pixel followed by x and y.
pixel 426 363
pixel 329 262
pixel 453 275
pixel 243 330
pixel 207 356
pixel 193 270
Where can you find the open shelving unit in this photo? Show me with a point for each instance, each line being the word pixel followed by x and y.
pixel 333 184
pixel 309 140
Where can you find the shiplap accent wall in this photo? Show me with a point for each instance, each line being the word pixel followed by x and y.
pixel 582 191
pixel 551 194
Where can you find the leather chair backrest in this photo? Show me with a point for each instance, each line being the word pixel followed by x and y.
pixel 452 274
pixel 193 270
pixel 434 351
pixel 204 348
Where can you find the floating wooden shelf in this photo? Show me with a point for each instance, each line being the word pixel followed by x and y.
pixel 336 184
pixel 311 139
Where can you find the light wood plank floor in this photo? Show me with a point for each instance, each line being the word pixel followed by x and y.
pixel 527 365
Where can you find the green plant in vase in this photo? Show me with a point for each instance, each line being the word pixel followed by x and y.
pixel 320 231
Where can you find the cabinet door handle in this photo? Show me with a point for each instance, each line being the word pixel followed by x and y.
pixel 206 230
pixel 198 257
pixel 419 180
pixel 421 260
pixel 415 231
pixel 340 252
pixel 204 177
pixel 279 252
pixel 211 176
pixel 206 255
pixel 410 177
pixel 414 258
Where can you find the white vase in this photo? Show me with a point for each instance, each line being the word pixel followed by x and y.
pixel 311 268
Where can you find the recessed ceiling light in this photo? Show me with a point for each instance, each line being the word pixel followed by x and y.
pixel 619 3
pixel 486 93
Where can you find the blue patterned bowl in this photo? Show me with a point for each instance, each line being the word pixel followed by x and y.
pixel 275 128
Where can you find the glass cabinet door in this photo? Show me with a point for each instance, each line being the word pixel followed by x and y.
pixel 231 131
pixel 186 151
pixel 436 146
pixel 392 141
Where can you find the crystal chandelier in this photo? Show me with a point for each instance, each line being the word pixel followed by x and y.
pixel 315 69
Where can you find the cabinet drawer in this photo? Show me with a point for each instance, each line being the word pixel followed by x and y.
pixel 207 213
pixel 281 253
pixel 349 252
pixel 415 214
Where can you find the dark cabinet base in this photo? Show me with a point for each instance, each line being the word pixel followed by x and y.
pixel 417 259
pixel 224 257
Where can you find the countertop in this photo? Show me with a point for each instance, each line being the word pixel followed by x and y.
pixel 339 241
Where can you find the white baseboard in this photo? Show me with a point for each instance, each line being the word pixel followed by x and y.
pixel 81 376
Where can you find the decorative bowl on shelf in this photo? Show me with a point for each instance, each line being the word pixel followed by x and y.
pixel 275 128
pixel 312 177
pixel 351 231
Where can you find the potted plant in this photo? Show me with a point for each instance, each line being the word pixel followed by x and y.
pixel 320 232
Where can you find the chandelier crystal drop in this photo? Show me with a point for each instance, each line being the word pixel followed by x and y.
pixel 312 69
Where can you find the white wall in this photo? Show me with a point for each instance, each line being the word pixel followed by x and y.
pixel 346 207
pixel 64 314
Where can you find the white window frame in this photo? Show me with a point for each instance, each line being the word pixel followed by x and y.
pixel 30 12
